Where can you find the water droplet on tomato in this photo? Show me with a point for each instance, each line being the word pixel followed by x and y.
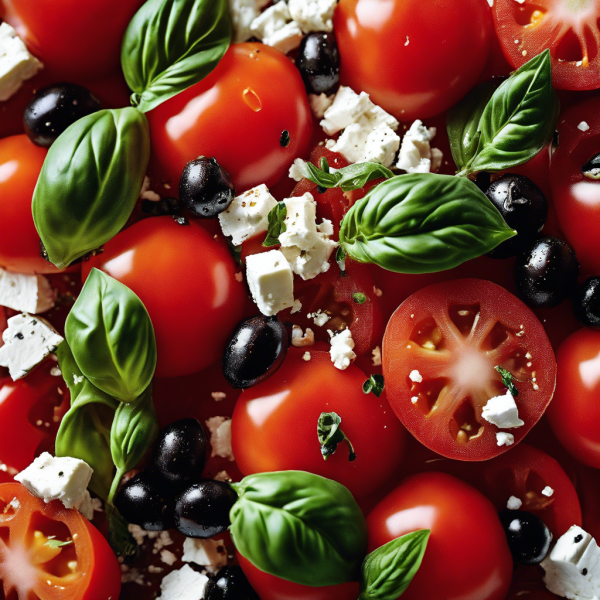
pixel 252 99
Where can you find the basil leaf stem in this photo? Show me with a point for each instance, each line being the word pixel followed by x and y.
pixel 508 380
pixel 330 435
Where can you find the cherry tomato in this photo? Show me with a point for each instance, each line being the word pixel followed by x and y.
pixel 528 584
pixel 85 569
pixel 467 556
pixel 186 280
pixel 455 334
pixel 238 115
pixel 416 59
pixel 569 29
pixel 575 411
pixel 275 424
pixel 588 488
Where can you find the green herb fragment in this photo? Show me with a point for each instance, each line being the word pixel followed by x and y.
pixel 374 384
pixel 508 380
pixel 284 140
pixel 54 543
pixel 348 178
pixel 330 435
pixel 276 225
pixel 359 298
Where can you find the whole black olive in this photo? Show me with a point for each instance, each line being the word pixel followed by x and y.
pixel 524 208
pixel 229 583
pixel 527 535
pixel 319 63
pixel 586 302
pixel 54 108
pixel 546 272
pixel 255 350
pixel 205 188
pixel 179 454
pixel 142 500
pixel 202 510
pixel 165 206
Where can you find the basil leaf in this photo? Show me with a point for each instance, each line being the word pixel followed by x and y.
pixel 112 338
pixel 119 538
pixel 299 526
pixel 90 182
pixel 170 45
pixel 422 223
pixel 508 380
pixel 276 226
pixel 387 571
pixel 374 384
pixel 330 435
pixel 352 177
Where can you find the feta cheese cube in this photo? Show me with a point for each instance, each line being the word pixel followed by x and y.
pixel 27 342
pixel 210 554
pixel 547 491
pixel 274 27
pixel 247 215
pixel 504 439
pixel 583 126
pixel 243 13
pixel 271 281
pixel 415 151
pixel 183 584
pixel 300 221
pixel 286 39
pixel 381 146
pixel 16 63
pixel 86 507
pixel 319 103
pixel 65 479
pixel 347 108
pixel 26 293
pixel 341 351
pixel 502 412
pixel 220 436
pixel 313 15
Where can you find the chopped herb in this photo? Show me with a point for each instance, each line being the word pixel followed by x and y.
pixel 340 259
pixel 359 298
pixel 374 384
pixel 508 380
pixel 352 177
pixel 236 252
pixel 276 225
pixel 53 543
pixel 284 140
pixel 330 435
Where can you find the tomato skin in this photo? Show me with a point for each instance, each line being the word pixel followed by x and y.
pixel 467 556
pixel 416 59
pixel 274 424
pixel 218 117
pixel 186 280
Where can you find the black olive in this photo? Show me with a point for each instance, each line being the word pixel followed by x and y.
pixel 179 454
pixel 527 535
pixel 54 108
pixel 165 206
pixel 591 169
pixel 318 61
pixel 586 302
pixel 205 188
pixel 142 500
pixel 255 350
pixel 524 208
pixel 202 510
pixel 546 272
pixel 229 583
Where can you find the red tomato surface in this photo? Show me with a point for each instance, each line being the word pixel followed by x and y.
pixel 237 114
pixel 416 59
pixel 455 334
pixel 275 424
pixel 467 556
pixel 87 569
pixel 186 280
pixel 570 29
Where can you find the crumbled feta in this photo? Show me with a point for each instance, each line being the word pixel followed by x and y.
pixel 183 584
pixel 296 308
pixel 376 359
pixel 505 439
pixel 547 491
pixel 341 350
pixel 274 27
pixel 415 376
pixel 313 15
pixel 306 356
pixel 87 507
pixel 502 412
pixel 243 13
pixel 414 399
pixel 220 437
pixel 437 156
pixel 319 318
pixel 573 566
pixel 27 342
pixel 583 126
pixel 168 557
pixel 415 151
pixel 223 476
pixel 514 503
pixel 16 63
pixel 319 103
pixel 146 193
pixel 515 525
pixel 296 169
pixel 62 478
pixel 300 339
pixel 210 554
pixel 26 293
pixel 271 281
pixel 247 215
pixel 3 325
pixel 218 396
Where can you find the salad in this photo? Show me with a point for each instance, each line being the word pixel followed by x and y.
pixel 299 299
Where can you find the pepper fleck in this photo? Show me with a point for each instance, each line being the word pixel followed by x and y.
pixel 284 140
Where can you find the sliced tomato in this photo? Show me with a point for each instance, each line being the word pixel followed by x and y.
pixel 455 334
pixel 84 569
pixel 570 28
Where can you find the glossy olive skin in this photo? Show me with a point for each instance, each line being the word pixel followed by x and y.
pixel 165 206
pixel 202 509
pixel 142 501
pixel 229 583
pixel 318 61
pixel 205 188
pixel 586 302
pixel 546 272
pixel 527 535
pixel 524 208
pixel 179 453
pixel 54 108
pixel 255 350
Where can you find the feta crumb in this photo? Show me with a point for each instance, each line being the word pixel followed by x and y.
pixel 306 356
pixel 274 27
pixel 26 293
pixel 243 13
pixel 515 525
pixel 319 318
pixel 377 291
pixel 376 359
pixel 296 170
pixel 341 350
pixel 220 437
pixel 505 439
pixel 583 126
pixel 415 151
pixel 313 15
pixel 239 277
pixel 415 376
pixel 271 281
pixel 320 103
pixel 146 193
pixel 296 308
pixel 300 339
pixel 15 504
pixel 547 491
pixel 168 557
pixel 514 503
pixel 414 399
pixel 209 553
pixel 502 411
pixel 183 584
pixel 223 476
pixel 218 396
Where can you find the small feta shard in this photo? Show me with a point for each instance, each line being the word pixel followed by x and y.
pixel 341 351
pixel 547 491
pixel 504 439
pixel 274 27
pixel 62 478
pixel 26 293
pixel 573 567
pixel 218 396
pixel 583 126
pixel 306 356
pixel 347 108
pixel 319 318
pixel 415 151
pixel 28 341
pixel 301 339
pixel 168 557
pixel 86 507
pixel 319 103
pixel 313 15
pixel 210 554
pixel 286 39
pixel 247 215
pixel 414 399
pixel 296 308
pixel 16 63
pixel 271 281
pixel 183 584
pixel 223 476
pixel 502 412
pixel 515 525
pixel 514 503
pixel 297 169
pixel 415 376
pixel 376 359
pixel 220 437
pixel 243 13
pixel 148 194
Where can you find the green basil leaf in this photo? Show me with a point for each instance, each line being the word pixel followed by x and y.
pixel 300 527
pixel 330 435
pixel 119 538
pixel 276 226
pixel 112 338
pixel 352 177
pixel 387 571
pixel 90 182
pixel 374 384
pixel 508 380
pixel 422 223
pixel 170 45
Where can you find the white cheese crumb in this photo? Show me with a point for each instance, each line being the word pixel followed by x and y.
pixel 414 399
pixel 547 491
pixel 26 293
pixel 415 151
pixel 296 308
pixel 515 525
pixel 168 557
pixel 306 356
pixel 243 13
pixel 15 504
pixel 218 396
pixel 415 376
pixel 502 411
pixel 210 553
pixel 320 103
pixel 505 439
pixel 583 126
pixel 376 359
pixel 296 170
pixel 341 350
pixel 319 318
pixel 271 281
pixel 514 503
pixel 274 27
pixel 183 584
pixel 220 437
pixel 223 476
pixel 313 15
pixel 300 339
pixel 377 291
pixel 146 193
